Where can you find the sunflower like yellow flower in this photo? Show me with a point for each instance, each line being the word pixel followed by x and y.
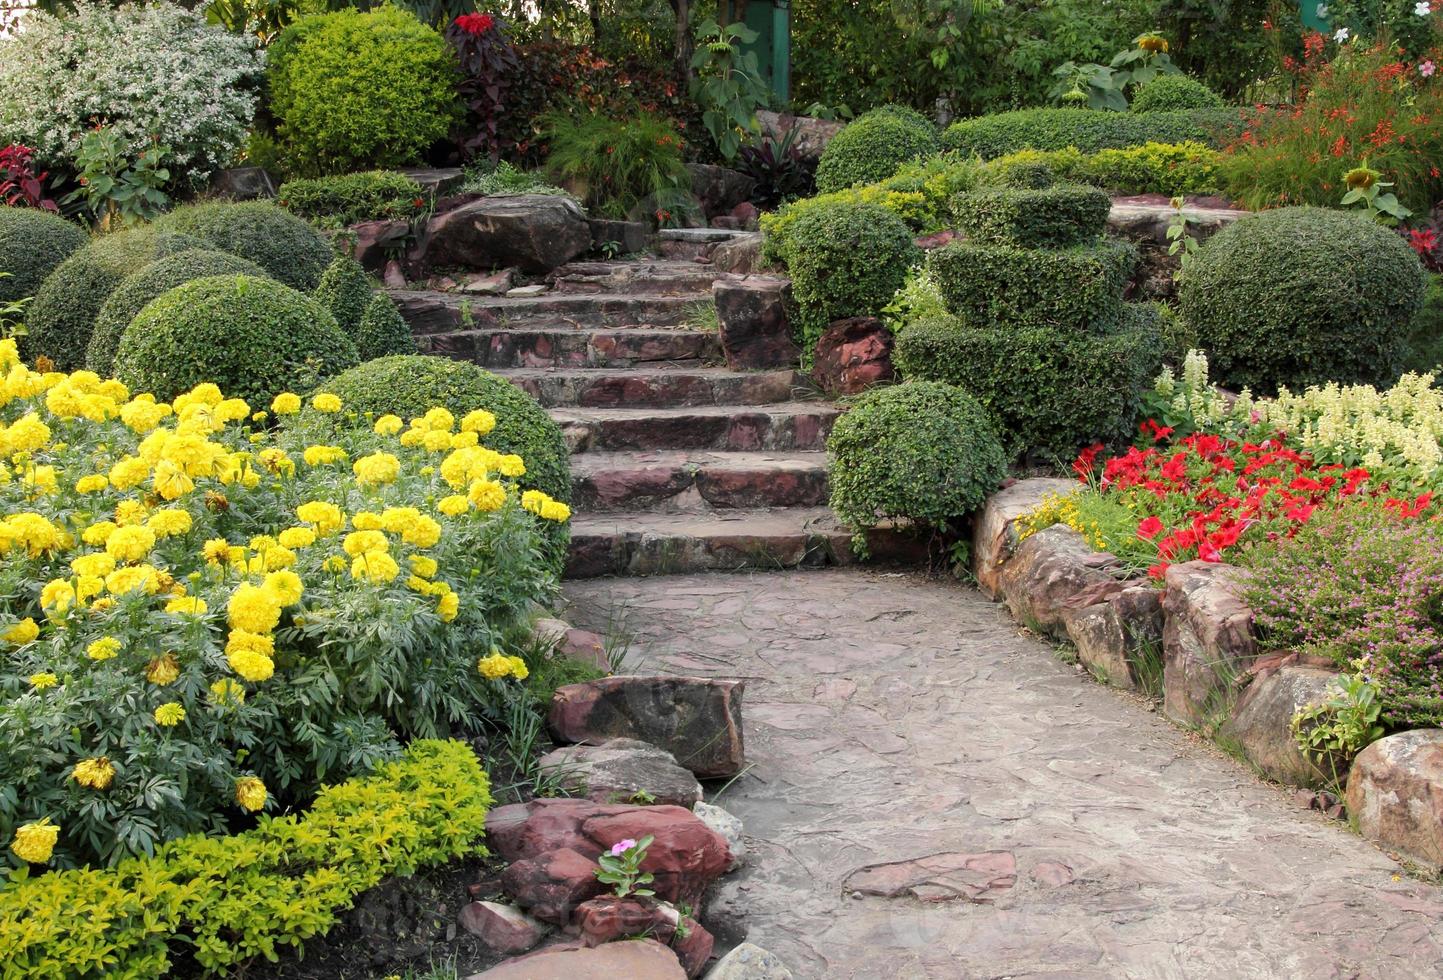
pixel 162 670
pixel 388 425
pixel 376 469
pixel 186 606
pixel 326 402
pixel 250 665
pixel 285 585
pixel 93 483
pixel 487 495
pixel 57 596
pixel 1152 42
pixel 495 666
pixel 286 403
pixel 375 566
pixel 170 480
pixel 130 543
pixel 22 632
pixel 296 537
pixel 34 842
pixel 133 577
pixel 169 714
pixel 93 773
pixel 98 533
pixel 226 693
pixel 453 506
pixel 95 563
pixel 43 680
pixel 361 542
pixel 365 520
pixel 169 522
pixel 250 793
pixel 1361 178
pixel 103 649
pixel 326 517
pixel 253 609
pixel 478 421
pixel 423 565
pixel 323 455
pixel 448 607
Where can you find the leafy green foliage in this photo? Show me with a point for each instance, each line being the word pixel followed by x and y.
pixel 621 168
pixel 1052 217
pixel 351 90
pixel 233 900
pixel 1174 93
pixel 505 178
pixel 115 188
pixel 345 290
pixel 281 243
pixel 346 199
pixel 871 149
pixel 253 337
pixel 1331 731
pixel 1301 296
pixel 32 243
pixel 1087 130
pixel 383 331
pixel 920 451
pixel 1425 338
pixel 139 288
pixel 727 84
pixel 1154 168
pixel 622 870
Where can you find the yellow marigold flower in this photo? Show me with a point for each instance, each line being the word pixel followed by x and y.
pixel 376 469
pixel 34 532
pixel 162 670
pixel 448 607
pixel 100 605
pixel 130 543
pixel 323 455
pixel 171 481
pixel 93 773
pixel 260 542
pixel 216 551
pixel 254 642
pixel 375 566
pixel 93 483
pixel 534 500
pixel 388 425
pixel 399 519
pixel 326 402
pixel 169 522
pixel 365 520
pixel 286 403
pixel 555 510
pixel 27 435
pixel 413 437
pixel 453 506
pixel 95 563
pixel 22 632
pixel 438 419
pixel 425 533
pixel 42 681
pixel 478 421
pixel 251 666
pixel 361 542
pixel 464 440
pixel 495 666
pixel 296 537
pixel 276 461
pixel 326 517
pixel 129 472
pixel 57 596
pixel 512 465
pixel 250 793
pixel 417 584
pixel 169 714
pixel 186 606
pixel 133 577
pixel 334 564
pixel 487 495
pixel 103 649
pixel 434 440
pixel 253 609
pixel 518 668
pixel 226 693
pixel 260 416
pixel 142 414
pixel 129 512
pixel 87 586
pixel 34 842
pixel 286 585
pixel 232 410
pixel 423 565
pixel 206 393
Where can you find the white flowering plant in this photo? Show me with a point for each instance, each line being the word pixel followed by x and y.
pixel 206 610
pixel 155 75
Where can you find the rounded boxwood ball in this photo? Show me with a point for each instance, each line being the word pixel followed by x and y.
pixel 923 451
pixel 1174 93
pixel 1303 296
pixel 253 337
pixel 383 331
pixel 139 288
pixel 872 148
pixel 32 244
pixel 284 245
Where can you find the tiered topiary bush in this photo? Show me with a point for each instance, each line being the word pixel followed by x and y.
pixel 1038 330
pixel 284 245
pixel 874 146
pixel 365 315
pixel 32 244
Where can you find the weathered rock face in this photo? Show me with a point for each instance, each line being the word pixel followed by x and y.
pixel 698 720
pixel 644 959
pixel 719 189
pixel 755 329
pixel 994 538
pixel 1144 220
pixel 1207 641
pixel 582 646
pixel 728 826
pixel 741 255
pixel 813 134
pixel 609 919
pixel 504 928
pixel 621 771
pixel 372 243
pixel 536 232
pixel 551 884
pixel 749 962
pixel 1395 794
pixel 1262 718
pixel 629 236
pixel 852 355
pixel 944 877
pixel 437 181
pixel 1120 639
pixel 1053 573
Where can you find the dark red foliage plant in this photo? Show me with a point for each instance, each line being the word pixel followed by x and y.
pixel 20 185
pixel 488 71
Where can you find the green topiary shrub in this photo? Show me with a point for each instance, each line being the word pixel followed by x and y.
pixel 383 331
pixel 1302 296
pixel 253 337
pixel 348 198
pixel 1152 168
pixel 1051 217
pixel 920 451
pixel 62 317
pixel 1078 288
pixel 32 244
pixel 1051 392
pixel 903 112
pixel 410 385
pixel 1088 130
pixel 352 90
pixel 345 290
pixel 846 259
pixel 279 242
pixel 872 148
pixel 139 288
pixel 1175 93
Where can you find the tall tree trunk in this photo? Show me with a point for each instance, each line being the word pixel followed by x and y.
pixel 681 45
pixel 593 12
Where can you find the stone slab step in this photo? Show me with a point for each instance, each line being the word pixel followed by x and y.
pixel 677 481
pixel 784 426
pixel 569 347
pixel 428 311
pixel 666 276
pixel 656 387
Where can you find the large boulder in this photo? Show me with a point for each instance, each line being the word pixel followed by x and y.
pixel 504 928
pixel 567 641
pixel 1261 724
pixel 729 826
pixel 994 536
pixel 622 770
pixel 1207 641
pixel 755 329
pixel 749 962
pixel 852 355
pixel 697 719
pixel 536 232
pixel 644 959
pixel 552 884
pixel 813 134
pixel 719 189
pixel 1395 794
pixel 1119 640
pixel 1052 573
pixel 741 255
pixel 609 919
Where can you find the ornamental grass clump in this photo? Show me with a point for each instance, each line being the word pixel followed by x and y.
pixel 206 615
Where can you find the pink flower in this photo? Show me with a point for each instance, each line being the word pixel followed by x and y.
pixel 621 847
pixel 1427 68
pixel 1423 240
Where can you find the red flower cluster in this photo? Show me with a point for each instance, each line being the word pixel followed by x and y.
pixel 475 24
pixel 20 185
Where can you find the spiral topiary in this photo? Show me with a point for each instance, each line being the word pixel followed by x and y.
pixel 284 245
pixel 872 148
pixel 32 244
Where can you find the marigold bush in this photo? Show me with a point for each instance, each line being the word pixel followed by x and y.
pixel 204 617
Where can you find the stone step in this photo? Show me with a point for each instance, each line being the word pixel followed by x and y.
pixel 428 311
pixel 656 387
pixel 664 276
pixel 574 348
pixel 784 426
pixel 677 481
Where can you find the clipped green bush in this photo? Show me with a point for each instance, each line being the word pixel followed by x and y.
pixel 345 199
pixel 62 317
pixel 224 902
pixel 139 288
pixel 1088 130
pixel 1152 168
pixel 846 259
pixel 352 90
pixel 253 337
pixel 383 331
pixel 1050 217
pixel 32 244
pixel 1051 392
pixel 1302 296
pixel 1078 288
pixel 345 290
pixel 872 148
pixel 920 451
pixel 284 245
pixel 1175 93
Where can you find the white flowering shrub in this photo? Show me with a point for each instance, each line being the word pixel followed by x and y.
pixel 152 74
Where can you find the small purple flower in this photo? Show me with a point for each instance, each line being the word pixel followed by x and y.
pixel 621 847
pixel 1427 68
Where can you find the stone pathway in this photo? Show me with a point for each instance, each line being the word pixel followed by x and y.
pixel 890 718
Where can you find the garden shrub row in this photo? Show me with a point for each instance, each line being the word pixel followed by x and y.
pixel 346 199
pixel 1088 130
pixel 1046 217
pixel 1153 168
pixel 224 902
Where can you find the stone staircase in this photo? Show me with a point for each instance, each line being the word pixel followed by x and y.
pixel 679 464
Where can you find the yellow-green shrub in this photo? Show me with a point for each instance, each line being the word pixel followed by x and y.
pixel 229 900
pixel 1153 168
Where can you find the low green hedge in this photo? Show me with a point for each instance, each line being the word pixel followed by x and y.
pixel 1076 289
pixel 1153 168
pixel 1049 217
pixel 1088 130
pixel 1050 391
pixel 383 331
pixel 229 901
pixel 348 198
